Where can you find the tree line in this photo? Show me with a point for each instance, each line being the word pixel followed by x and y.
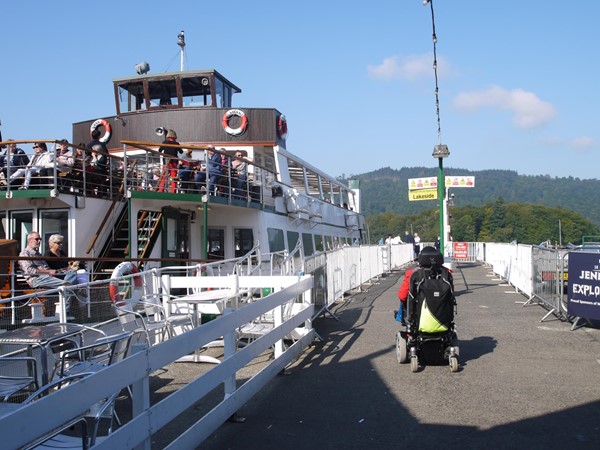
pixel 495 221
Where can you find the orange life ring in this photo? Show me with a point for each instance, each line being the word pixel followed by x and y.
pixel 282 129
pixel 125 268
pixel 107 130
pixel 243 125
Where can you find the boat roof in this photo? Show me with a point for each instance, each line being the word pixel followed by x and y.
pixel 171 75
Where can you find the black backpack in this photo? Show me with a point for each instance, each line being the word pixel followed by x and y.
pixel 432 292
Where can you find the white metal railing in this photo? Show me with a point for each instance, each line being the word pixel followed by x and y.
pixel 135 371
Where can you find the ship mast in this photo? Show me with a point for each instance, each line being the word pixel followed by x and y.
pixel 181 43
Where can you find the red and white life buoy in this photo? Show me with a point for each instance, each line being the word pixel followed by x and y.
pixel 136 291
pixel 107 131
pixel 282 127
pixel 243 125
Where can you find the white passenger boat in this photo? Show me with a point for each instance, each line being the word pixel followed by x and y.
pixel 137 209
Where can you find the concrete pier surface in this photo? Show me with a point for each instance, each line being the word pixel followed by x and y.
pixel 522 383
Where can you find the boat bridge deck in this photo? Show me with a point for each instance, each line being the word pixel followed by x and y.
pixel 522 383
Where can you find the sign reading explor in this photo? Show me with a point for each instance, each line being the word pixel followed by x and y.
pixel 584 285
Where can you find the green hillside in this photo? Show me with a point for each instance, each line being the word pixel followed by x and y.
pixel 386 191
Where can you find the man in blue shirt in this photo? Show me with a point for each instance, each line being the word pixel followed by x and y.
pixel 214 169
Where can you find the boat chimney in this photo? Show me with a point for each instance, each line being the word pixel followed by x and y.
pixel 181 43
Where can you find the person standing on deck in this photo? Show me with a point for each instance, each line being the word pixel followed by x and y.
pixel 96 166
pixel 170 155
pixel 417 245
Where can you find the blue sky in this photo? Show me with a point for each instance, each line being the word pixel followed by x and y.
pixel 518 79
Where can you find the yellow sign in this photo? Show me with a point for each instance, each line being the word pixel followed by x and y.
pixel 422 183
pixel 422 194
pixel 460 181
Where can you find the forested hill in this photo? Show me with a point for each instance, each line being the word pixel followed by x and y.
pixel 386 191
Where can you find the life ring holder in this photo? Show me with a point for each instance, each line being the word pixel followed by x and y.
pixel 125 268
pixel 282 128
pixel 107 130
pixel 243 125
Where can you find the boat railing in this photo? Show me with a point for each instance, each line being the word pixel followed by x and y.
pixel 140 168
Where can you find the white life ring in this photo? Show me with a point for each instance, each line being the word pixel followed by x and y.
pixel 125 268
pixel 107 130
pixel 282 128
pixel 228 115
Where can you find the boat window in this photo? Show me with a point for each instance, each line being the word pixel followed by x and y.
pixel 216 243
pixel 163 92
pixel 21 223
pixel 307 243
pixel 276 243
pixel 131 96
pixel 223 94
pixel 3 225
pixel 336 242
pixel 196 91
pixel 319 243
pixel 243 240
pixel 292 237
pixel 328 243
pixel 54 222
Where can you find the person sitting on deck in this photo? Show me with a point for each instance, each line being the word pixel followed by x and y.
pixel 54 254
pixel 428 255
pixel 240 172
pixel 187 166
pixel 214 168
pixel 41 159
pixel 81 159
pixel 97 170
pixel 64 160
pixel 38 273
pixel 14 159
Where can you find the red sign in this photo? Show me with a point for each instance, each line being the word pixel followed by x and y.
pixel 461 250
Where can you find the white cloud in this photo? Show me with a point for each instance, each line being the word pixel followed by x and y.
pixel 582 143
pixel 528 110
pixel 410 68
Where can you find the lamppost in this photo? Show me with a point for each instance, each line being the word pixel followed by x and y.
pixel 440 151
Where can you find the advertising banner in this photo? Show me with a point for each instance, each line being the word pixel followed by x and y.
pixel 584 285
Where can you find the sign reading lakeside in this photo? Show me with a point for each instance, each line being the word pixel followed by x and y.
pixel 422 194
